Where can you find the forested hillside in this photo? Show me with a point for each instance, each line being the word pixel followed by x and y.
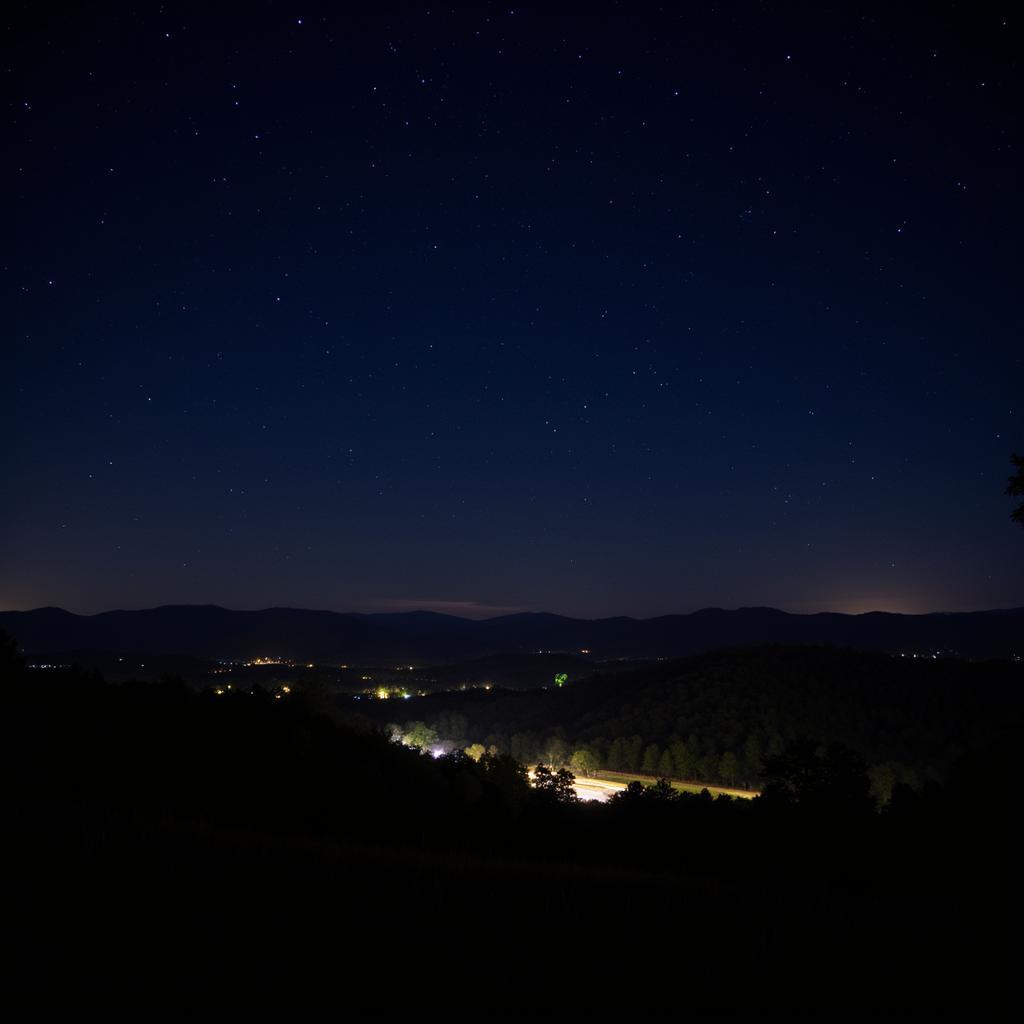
pixel 714 717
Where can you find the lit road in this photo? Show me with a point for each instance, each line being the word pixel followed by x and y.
pixel 602 790
pixel 596 789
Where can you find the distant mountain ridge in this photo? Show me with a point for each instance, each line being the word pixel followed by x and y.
pixel 210 631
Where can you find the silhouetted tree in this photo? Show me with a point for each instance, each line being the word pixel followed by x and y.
pixel 662 790
pixel 809 775
pixel 1015 488
pixel 555 786
pixel 631 795
pixel 507 776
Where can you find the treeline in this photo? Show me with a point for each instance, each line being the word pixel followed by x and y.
pixel 691 760
pixel 714 718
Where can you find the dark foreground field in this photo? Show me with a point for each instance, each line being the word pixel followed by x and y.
pixel 172 838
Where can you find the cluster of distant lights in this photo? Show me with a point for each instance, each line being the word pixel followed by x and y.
pixel 271 660
pixel 401 693
pixel 279 693
pixel 264 660
pixel 383 693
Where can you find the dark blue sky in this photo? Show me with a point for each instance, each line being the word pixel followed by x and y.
pixel 486 308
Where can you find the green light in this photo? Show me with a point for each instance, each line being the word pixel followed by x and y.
pixel 560 678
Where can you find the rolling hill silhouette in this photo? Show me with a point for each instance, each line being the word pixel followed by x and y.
pixel 213 632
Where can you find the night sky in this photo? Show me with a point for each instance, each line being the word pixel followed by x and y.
pixel 485 308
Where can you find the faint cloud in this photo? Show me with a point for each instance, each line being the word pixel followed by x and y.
pixel 464 609
pixel 861 605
